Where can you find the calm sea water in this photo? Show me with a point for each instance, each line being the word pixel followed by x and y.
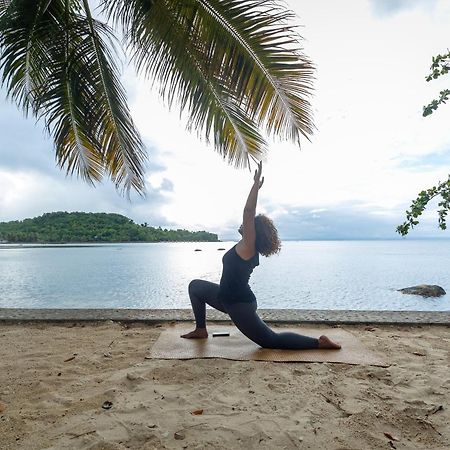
pixel 305 275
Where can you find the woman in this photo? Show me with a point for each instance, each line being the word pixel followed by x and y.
pixel 234 296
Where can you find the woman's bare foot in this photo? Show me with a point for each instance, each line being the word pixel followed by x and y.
pixel 326 342
pixel 198 333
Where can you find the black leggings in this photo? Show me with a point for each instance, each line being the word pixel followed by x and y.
pixel 244 316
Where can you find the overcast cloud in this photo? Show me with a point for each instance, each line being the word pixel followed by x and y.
pixel 388 7
pixel 372 153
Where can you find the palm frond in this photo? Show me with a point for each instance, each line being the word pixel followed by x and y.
pixel 166 53
pixel 55 61
pixel 249 46
pixel 68 112
pixel 24 58
pixel 4 5
pixel 119 139
pixel 261 56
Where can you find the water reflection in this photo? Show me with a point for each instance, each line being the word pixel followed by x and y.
pixel 306 275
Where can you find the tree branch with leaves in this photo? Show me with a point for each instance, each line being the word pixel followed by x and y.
pixel 440 66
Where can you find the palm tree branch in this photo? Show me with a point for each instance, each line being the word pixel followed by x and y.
pixel 125 157
pixel 169 54
pixel 76 150
pixel 262 37
pixel 244 43
pixel 21 31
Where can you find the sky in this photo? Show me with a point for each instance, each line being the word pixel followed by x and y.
pixel 371 154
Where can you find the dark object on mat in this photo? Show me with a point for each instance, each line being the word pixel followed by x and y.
pixel 425 290
pixel 221 333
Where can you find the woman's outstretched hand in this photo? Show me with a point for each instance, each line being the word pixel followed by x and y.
pixel 257 177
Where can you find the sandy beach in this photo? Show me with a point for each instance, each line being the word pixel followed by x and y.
pixel 90 386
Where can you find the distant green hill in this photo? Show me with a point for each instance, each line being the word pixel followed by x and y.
pixel 61 227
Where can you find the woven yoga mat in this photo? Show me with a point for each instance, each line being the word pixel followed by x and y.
pixel 170 345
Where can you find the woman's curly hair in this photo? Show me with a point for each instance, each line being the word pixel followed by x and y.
pixel 267 241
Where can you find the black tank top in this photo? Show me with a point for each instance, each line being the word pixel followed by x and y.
pixel 235 275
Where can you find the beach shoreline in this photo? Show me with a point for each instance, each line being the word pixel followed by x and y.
pixel 56 376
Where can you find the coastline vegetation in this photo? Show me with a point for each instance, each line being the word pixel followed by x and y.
pixel 64 227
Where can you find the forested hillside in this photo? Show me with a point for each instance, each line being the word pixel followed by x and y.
pixel 61 227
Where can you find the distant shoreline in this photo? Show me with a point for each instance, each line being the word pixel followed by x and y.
pixel 6 245
pixel 12 245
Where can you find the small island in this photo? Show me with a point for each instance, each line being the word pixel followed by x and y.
pixel 81 227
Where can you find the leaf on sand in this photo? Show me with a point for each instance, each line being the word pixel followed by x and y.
pixel 69 359
pixel 2 407
pixel 369 328
pixel 435 410
pixel 197 412
pixel 392 438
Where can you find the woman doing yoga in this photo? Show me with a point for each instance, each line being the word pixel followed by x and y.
pixel 233 295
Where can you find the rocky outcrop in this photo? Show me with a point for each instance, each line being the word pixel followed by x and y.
pixel 425 290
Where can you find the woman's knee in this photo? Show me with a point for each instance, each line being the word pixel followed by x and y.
pixel 194 286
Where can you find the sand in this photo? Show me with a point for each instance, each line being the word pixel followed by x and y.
pixel 54 380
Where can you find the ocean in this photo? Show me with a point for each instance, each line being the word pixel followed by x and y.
pixel 357 275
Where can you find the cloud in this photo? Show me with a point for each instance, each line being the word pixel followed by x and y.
pixel 390 7
pixel 350 222
pixel 344 222
pixel 24 144
pixel 32 193
pixel 423 163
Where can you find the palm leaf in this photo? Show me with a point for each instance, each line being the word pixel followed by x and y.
pixel 167 54
pixel 119 139
pixel 247 46
pixel 4 5
pixel 24 56
pixel 260 54
pixel 55 61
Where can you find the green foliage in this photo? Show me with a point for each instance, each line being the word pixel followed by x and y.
pixel 443 97
pixel 233 66
pixel 440 66
pixel 64 227
pixel 419 204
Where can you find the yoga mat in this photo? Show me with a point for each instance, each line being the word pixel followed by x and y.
pixel 238 347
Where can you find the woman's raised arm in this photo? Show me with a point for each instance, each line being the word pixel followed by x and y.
pixel 246 246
